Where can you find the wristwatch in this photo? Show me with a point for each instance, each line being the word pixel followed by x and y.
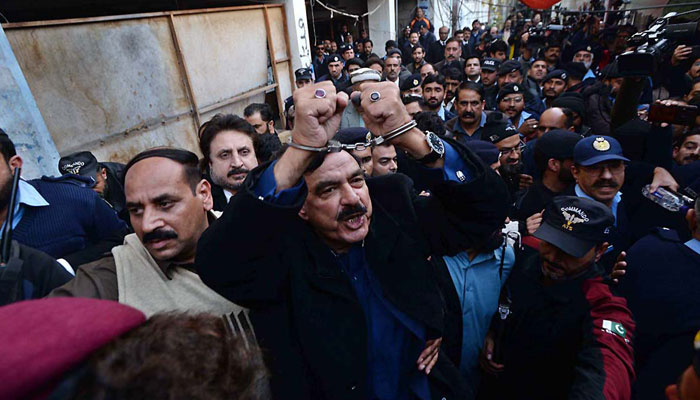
pixel 437 148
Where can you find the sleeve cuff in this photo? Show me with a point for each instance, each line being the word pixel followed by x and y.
pixel 455 168
pixel 266 187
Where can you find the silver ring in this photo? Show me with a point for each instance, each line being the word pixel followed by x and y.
pixel 320 94
pixel 374 97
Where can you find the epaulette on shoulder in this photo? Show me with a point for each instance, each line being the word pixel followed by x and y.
pixel 666 234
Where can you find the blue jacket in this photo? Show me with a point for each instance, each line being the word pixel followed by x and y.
pixel 76 224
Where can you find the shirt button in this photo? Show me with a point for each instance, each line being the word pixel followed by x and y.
pixel 353 387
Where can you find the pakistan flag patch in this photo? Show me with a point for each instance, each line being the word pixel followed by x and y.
pixel 614 327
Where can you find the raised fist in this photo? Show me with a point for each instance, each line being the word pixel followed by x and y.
pixel 318 109
pixel 382 109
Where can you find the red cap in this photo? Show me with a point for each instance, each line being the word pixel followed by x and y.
pixel 43 339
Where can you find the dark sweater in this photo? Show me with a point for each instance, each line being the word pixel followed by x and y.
pixel 76 225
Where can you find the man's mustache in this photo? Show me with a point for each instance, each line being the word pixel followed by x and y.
pixel 605 183
pixel 351 212
pixel 467 114
pixel 159 234
pixel 236 171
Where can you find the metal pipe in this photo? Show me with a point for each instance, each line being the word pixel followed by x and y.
pixel 7 231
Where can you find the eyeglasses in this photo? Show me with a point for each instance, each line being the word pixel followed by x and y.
pixel 517 99
pixel 507 150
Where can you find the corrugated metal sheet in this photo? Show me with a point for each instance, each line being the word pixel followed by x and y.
pixel 118 86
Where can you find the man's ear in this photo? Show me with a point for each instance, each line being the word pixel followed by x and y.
pixel 203 192
pixel 600 250
pixel 554 165
pixel 574 172
pixel 691 218
pixel 15 162
pixel 103 172
pixel 302 213
pixel 674 152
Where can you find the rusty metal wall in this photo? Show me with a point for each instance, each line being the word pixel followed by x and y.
pixel 116 86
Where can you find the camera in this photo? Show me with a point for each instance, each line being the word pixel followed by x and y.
pixel 654 45
pixel 538 34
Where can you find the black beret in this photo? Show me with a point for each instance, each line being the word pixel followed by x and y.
pixel 557 73
pixel 510 88
pixel 334 58
pixel 342 49
pixel 353 135
pixel 411 82
pixel 583 47
pixel 558 143
pixel 573 101
pixel 509 66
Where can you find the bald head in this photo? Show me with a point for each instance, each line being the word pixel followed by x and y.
pixel 551 118
pixel 444 32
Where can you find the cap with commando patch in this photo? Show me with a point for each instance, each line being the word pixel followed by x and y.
pixel 575 224
pixel 334 58
pixel 302 74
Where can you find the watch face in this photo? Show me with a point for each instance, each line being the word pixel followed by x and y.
pixel 435 143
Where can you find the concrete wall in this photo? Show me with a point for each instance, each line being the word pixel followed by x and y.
pixel 382 24
pixel 21 120
pixel 298 31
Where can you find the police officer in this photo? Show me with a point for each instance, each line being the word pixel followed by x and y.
pixel 336 73
pixel 411 85
pixel 553 156
pixel 107 178
pixel 664 302
pixel 302 77
pixel 563 333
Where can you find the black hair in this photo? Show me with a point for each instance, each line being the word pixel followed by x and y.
pixel 452 39
pixel 468 85
pixel 430 121
pixel 7 148
pixel 469 57
pixel 498 45
pixel 372 61
pixel 418 47
pixel 320 157
pixel 186 158
pixel 453 74
pixel 369 41
pixel 262 108
pixel 354 61
pixel 224 122
pixel 569 117
pixel 434 78
pixel 412 98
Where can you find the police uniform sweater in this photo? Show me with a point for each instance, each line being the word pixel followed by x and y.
pixel 75 218
pixel 661 287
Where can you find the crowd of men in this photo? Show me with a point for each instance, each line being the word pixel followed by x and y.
pixel 477 215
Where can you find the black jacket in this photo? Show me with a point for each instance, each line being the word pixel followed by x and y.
pixel 555 344
pixel 660 286
pixel 29 274
pixel 303 308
